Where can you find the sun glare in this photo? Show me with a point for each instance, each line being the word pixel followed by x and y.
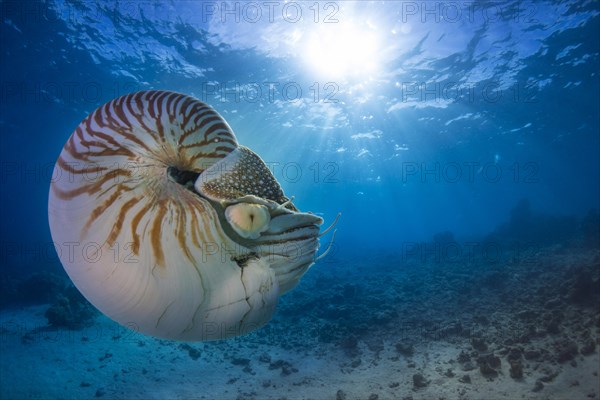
pixel 343 52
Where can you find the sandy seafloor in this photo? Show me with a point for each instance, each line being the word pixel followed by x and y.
pixel 356 328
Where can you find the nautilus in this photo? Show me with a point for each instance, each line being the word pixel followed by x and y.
pixel 170 227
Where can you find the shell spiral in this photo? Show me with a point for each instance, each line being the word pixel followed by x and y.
pixel 170 227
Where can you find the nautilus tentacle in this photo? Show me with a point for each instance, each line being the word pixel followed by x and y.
pixel 170 227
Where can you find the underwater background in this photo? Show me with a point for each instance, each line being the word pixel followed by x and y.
pixel 459 140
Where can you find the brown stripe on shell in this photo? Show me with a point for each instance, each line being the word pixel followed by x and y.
pixel 156 233
pixel 118 225
pixel 207 142
pixel 194 229
pixel 180 228
pixel 120 112
pixel 67 166
pixel 195 126
pixel 103 207
pixel 159 126
pixel 93 132
pixel 171 100
pixel 89 189
pixel 134 227
pixel 213 128
pixel 227 150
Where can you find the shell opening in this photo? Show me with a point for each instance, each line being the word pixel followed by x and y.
pixel 247 219
pixel 185 178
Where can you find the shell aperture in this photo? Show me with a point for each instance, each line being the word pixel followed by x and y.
pixel 171 228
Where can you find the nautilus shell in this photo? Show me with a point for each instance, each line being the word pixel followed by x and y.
pixel 169 226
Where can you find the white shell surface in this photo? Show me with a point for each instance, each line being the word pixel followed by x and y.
pixel 147 249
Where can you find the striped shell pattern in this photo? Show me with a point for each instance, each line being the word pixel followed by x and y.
pixel 170 227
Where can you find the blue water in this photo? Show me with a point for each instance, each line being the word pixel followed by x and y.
pixel 409 118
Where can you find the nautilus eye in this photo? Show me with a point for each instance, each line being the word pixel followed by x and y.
pixel 248 220
pixel 168 226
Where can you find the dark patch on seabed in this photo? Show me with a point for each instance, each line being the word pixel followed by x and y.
pixel 430 322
